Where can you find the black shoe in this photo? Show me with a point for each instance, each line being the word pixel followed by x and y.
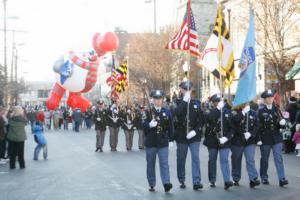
pixel 265 182
pixel 254 183
pixel 213 184
pixel 97 149
pixel 228 185
pixel 198 186
pixel 151 189
pixel 182 185
pixel 12 167
pixel 168 187
pixel 101 150
pixel 236 183
pixel 283 182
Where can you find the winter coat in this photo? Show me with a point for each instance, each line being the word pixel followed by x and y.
pixel 16 132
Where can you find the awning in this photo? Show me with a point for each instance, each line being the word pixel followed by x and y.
pixel 294 73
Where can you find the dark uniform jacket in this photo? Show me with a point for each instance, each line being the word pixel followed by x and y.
pixel 240 126
pixel 269 126
pixel 127 120
pixel 138 120
pixel 213 128
pixel 196 119
pixel 160 135
pixel 100 119
pixel 113 119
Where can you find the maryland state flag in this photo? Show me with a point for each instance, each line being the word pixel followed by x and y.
pixel 210 55
pixel 121 78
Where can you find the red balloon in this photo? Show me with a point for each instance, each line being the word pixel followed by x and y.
pixel 108 42
pixel 96 47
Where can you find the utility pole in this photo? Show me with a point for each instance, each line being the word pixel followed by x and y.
pixel 5 54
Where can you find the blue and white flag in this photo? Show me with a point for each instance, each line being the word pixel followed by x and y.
pixel 246 90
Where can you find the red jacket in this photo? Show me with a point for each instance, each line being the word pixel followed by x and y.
pixel 40 116
pixel 296 137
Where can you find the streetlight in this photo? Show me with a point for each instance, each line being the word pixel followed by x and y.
pixel 154 9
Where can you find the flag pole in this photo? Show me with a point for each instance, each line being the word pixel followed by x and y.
pixel 189 62
pixel 220 61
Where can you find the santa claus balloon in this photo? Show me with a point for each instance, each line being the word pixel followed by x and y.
pixel 77 73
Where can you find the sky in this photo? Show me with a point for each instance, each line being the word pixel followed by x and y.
pixel 54 27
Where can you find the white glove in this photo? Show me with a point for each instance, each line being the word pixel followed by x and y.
pixel 171 144
pixel 153 123
pixel 220 105
pixel 246 110
pixel 187 96
pixel 98 119
pixel 223 140
pixel 282 122
pixel 247 135
pixel 190 134
pixel 116 111
pixel 259 143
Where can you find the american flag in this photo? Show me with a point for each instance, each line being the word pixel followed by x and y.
pixel 186 38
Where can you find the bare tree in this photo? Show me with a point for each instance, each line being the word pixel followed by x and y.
pixel 277 27
pixel 149 60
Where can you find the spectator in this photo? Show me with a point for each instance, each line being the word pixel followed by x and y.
pixel 66 115
pixel 16 137
pixel 88 119
pixel 56 117
pixel 48 116
pixel 40 116
pixel 77 117
pixel 40 139
pixel 296 139
pixel 3 131
pixel 292 109
pixel 31 116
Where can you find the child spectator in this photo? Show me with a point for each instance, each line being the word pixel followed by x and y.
pixel 296 139
pixel 40 140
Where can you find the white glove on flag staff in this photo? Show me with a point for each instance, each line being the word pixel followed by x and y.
pixel 247 135
pixel 171 144
pixel 282 122
pixel 220 105
pixel 223 140
pixel 153 123
pixel 246 110
pixel 191 134
pixel 187 96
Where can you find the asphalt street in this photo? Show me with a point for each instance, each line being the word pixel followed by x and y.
pixel 74 171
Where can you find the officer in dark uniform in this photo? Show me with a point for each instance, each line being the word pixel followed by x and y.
pixel 269 128
pixel 100 121
pixel 188 134
pixel 158 127
pixel 218 141
pixel 114 123
pixel 138 123
pixel 244 142
pixel 127 119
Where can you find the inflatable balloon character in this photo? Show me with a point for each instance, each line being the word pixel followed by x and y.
pixel 77 73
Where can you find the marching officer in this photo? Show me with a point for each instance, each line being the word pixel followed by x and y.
pixel 158 127
pixel 218 141
pixel 100 121
pixel 188 140
pixel 138 123
pixel 244 142
pixel 114 123
pixel 270 122
pixel 127 121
